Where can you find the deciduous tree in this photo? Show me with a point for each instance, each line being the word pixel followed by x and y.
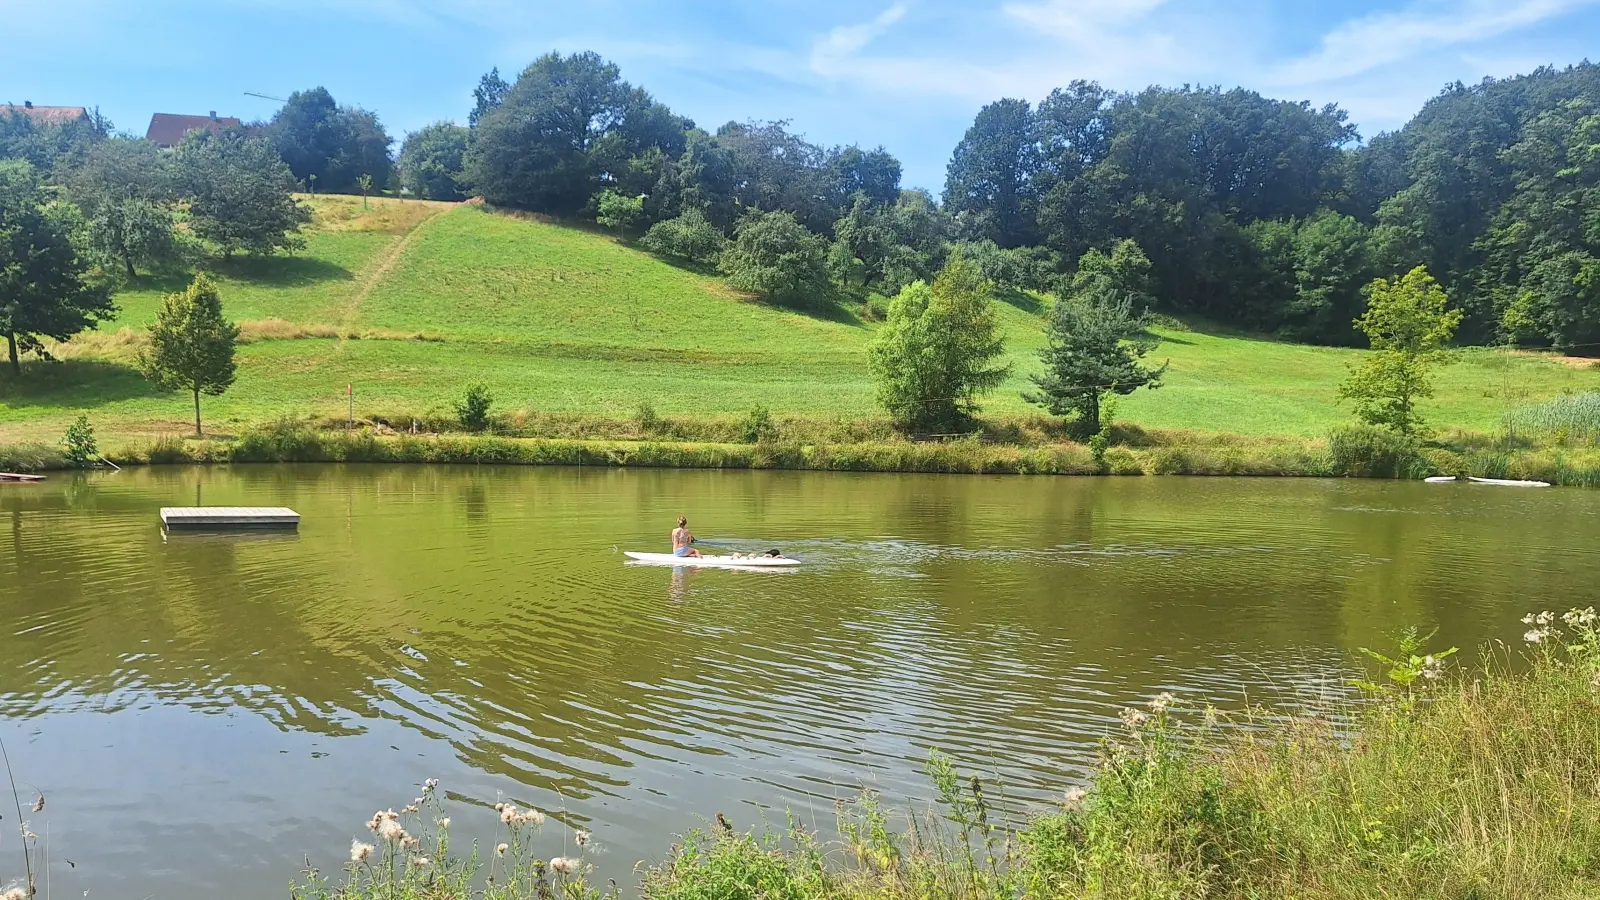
pixel 432 159
pixel 192 344
pixel 334 144
pixel 776 258
pixel 45 288
pixel 240 193
pixel 1409 321
pixel 939 349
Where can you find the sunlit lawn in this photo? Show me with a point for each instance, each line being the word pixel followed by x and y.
pixel 562 319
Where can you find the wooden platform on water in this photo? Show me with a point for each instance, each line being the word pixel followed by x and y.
pixel 26 479
pixel 218 518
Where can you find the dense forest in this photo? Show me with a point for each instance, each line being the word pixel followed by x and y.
pixel 1263 214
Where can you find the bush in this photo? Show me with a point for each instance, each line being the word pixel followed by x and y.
pixel 758 427
pixel 690 237
pixel 168 450
pixel 1367 451
pixel 646 420
pixel 78 446
pixel 473 410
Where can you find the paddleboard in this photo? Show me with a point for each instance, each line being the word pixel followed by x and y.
pixel 1508 482
pixel 713 562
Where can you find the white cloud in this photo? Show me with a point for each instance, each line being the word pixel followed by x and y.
pixel 1370 42
pixel 1080 20
pixel 849 39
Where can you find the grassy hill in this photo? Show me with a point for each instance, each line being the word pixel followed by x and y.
pixel 412 301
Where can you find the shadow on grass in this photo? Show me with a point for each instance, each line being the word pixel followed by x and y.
pixel 1022 300
pixel 73 384
pixel 282 271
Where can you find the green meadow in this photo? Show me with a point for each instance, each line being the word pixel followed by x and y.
pixel 409 302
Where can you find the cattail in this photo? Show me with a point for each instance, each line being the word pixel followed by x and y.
pixel 359 851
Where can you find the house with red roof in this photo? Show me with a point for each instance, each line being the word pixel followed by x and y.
pixel 167 130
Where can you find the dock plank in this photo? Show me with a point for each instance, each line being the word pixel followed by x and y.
pixel 224 517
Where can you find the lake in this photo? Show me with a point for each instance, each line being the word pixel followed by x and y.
pixel 205 711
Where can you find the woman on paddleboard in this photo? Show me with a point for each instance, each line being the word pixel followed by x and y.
pixel 682 540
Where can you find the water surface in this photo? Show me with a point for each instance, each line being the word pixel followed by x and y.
pixel 205 711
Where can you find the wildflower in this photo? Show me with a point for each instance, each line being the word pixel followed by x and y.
pixel 1544 618
pixel 28 835
pixel 1075 796
pixel 1527 619
pixel 564 865
pixel 1536 635
pixel 1579 618
pixel 500 849
pixel 38 805
pixel 1432 667
pixel 429 785
pixel 380 817
pixel 583 838
pixel 1162 701
pixel 409 842
pixel 410 809
pixel 359 851
pixel 421 862
pixel 508 813
pixel 1133 718
pixel 444 823
pixel 14 893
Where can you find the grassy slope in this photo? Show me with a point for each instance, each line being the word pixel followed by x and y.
pixel 561 319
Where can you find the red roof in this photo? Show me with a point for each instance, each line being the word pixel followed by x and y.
pixel 47 115
pixel 168 129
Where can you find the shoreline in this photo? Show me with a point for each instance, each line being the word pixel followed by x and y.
pixel 1220 456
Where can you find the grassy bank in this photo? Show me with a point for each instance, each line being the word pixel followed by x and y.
pixel 1482 784
pixel 850 447
pixel 411 302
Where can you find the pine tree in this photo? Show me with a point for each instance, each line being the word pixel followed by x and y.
pixel 191 344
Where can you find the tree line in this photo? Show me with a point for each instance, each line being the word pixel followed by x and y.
pixel 1265 214
pixel 1261 213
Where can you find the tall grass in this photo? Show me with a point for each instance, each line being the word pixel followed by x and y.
pixel 1569 418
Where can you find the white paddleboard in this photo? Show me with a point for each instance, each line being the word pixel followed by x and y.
pixel 1508 482
pixel 713 562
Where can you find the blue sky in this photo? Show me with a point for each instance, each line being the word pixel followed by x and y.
pixel 907 74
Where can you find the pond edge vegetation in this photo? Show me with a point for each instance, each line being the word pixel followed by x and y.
pixel 758 441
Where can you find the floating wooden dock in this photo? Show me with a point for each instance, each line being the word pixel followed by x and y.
pixel 26 479
pixel 229 517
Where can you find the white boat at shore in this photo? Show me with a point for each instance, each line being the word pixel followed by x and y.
pixel 1502 482
pixel 1509 482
